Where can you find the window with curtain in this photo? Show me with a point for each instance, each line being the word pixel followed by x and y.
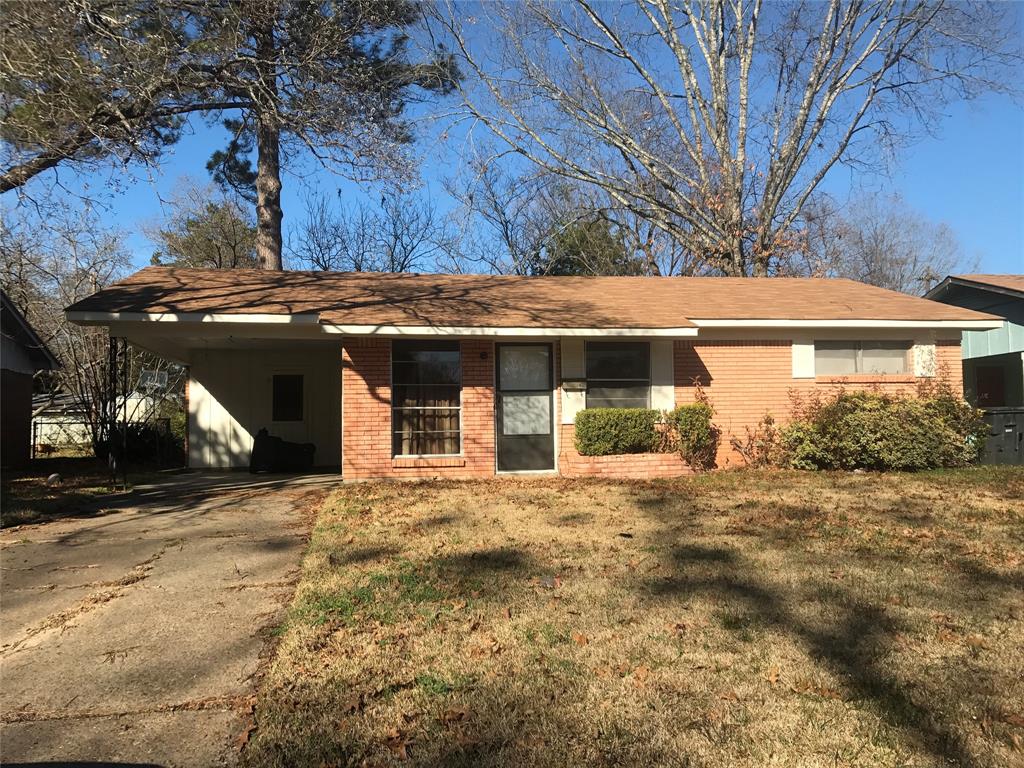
pixel 426 392
pixel 843 358
pixel 618 374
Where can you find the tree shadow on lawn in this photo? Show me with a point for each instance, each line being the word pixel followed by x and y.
pixel 851 641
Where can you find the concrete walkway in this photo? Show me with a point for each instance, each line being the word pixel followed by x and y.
pixel 133 636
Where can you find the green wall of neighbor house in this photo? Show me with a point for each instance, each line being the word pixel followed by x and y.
pixel 994 359
pixel 998 341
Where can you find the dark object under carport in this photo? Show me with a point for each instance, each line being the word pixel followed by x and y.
pixel 1005 443
pixel 272 454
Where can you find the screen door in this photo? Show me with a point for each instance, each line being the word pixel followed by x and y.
pixel 526 438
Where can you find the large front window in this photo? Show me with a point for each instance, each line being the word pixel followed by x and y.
pixel 426 388
pixel 845 358
pixel 618 374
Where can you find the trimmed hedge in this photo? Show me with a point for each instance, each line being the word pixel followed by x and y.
pixel 869 430
pixel 695 436
pixel 606 431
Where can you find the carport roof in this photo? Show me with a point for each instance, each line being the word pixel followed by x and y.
pixel 366 299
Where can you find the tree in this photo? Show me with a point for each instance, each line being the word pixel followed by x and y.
pixel 404 234
pixel 716 120
pixel 203 229
pixel 509 218
pixel 330 78
pixel 84 81
pixel 587 247
pixel 46 268
pixel 883 241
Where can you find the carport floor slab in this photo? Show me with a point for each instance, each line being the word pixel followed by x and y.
pixel 150 656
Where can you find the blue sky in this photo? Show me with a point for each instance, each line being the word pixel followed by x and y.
pixel 970 175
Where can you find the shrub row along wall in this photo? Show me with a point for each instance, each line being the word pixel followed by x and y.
pixel 746 379
pixel 629 466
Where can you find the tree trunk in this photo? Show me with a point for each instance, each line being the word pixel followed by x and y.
pixel 268 140
pixel 268 195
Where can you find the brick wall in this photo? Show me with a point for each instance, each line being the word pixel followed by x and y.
pixel 630 466
pixel 366 415
pixel 747 379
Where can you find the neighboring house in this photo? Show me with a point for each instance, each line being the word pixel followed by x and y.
pixel 22 355
pixel 61 421
pixel 405 375
pixel 993 359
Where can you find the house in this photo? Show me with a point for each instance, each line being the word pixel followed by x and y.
pixel 409 375
pixel 61 421
pixel 993 360
pixel 22 355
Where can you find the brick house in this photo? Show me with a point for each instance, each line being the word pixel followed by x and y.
pixel 405 375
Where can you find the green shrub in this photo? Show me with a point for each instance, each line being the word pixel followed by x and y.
pixel 872 430
pixel 696 438
pixel 606 431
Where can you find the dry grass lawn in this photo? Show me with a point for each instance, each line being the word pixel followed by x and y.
pixel 735 619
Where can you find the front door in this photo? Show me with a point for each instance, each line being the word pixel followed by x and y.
pixel 526 419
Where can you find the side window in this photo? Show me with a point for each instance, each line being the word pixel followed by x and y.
pixel 618 374
pixel 844 358
pixel 287 397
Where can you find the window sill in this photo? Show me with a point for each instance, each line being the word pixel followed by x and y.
pixel 868 378
pixel 417 462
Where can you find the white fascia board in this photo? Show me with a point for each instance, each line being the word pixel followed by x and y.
pixel 950 324
pixel 456 330
pixel 102 318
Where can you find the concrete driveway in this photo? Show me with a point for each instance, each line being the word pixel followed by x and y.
pixel 133 636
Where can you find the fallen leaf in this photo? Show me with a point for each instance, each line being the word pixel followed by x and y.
pixel 677 628
pixel 508 613
pixel 579 638
pixel 1012 718
pixel 245 735
pixel 454 715
pixel 773 676
pixel 353 704
pixel 459 605
pixel 398 744
pixel 641 673
pixel 626 535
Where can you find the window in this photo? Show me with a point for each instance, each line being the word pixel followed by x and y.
pixel 618 374
pixel 844 358
pixel 287 397
pixel 426 390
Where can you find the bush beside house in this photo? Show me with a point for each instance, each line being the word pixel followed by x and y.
pixel 873 430
pixel 842 430
pixel 608 431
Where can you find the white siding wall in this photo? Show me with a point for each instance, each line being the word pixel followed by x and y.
pixel 230 399
pixel 574 366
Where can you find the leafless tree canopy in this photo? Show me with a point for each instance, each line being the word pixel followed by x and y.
pixel 204 228
pixel 404 234
pixel 880 240
pixel 43 270
pixel 716 120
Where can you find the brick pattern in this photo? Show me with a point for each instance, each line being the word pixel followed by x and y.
pixel 366 415
pixel 632 466
pixel 747 379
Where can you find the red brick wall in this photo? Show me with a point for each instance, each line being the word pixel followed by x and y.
pixel 366 415
pixel 631 466
pixel 747 379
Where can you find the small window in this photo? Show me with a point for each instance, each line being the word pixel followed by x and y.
pixel 618 374
pixel 287 397
pixel 846 358
pixel 426 392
